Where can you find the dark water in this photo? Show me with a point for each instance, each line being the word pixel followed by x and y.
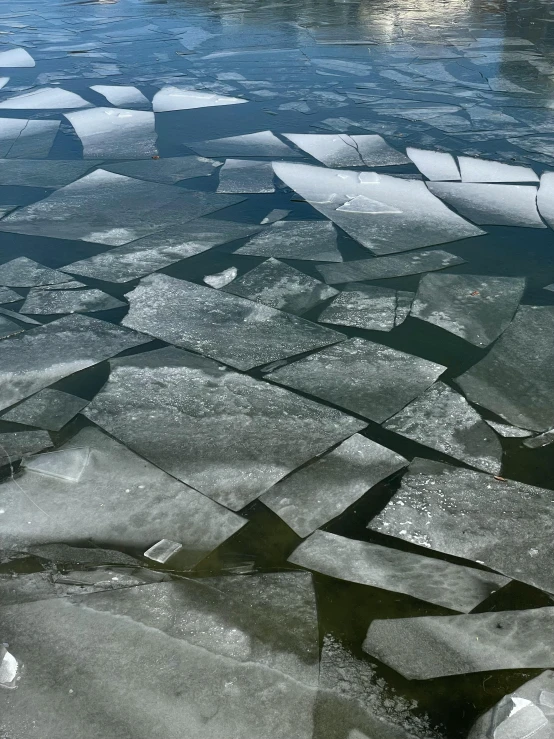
pixel 141 40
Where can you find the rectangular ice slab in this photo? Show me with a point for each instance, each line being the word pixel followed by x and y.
pixel 342 150
pixel 319 492
pixel 415 218
pixel 177 98
pixel 515 379
pixel 436 646
pixel 362 376
pixel 443 583
pixel 17 444
pixel 476 307
pixel 226 434
pixel 48 174
pixel 386 267
pixel 261 144
pixel 484 170
pixel 226 327
pixel 305 240
pixel 21 138
pixel 502 524
pixel 167 170
pixel 49 409
pixel 43 355
pixel 115 133
pixel 45 98
pixel 362 306
pixel 119 499
pixel 435 165
pixel 246 176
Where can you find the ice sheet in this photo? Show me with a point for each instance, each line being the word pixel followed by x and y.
pixel 167 170
pixel 443 583
pixel 21 138
pixel 17 444
pixel 275 215
pixel 261 144
pixel 342 150
pixel 16 58
pixel 545 198
pixel 122 96
pixel 8 328
pixel 45 98
pixel 224 433
pixel 362 306
pixel 115 133
pixel 435 165
pixel 24 272
pixel 41 301
pixel 48 174
pixel 383 268
pixel 484 170
pixel 9 296
pixel 178 98
pixel 49 409
pixel 246 176
pixel 305 240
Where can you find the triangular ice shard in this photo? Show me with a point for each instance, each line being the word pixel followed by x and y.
pixel 261 144
pixel 177 98
pixel 45 98
pixel 67 464
pixel 24 272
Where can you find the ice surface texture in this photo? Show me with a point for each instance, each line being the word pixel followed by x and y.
pixel 22 138
pixel 261 144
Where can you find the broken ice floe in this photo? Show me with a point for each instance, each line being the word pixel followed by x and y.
pixel 383 268
pixel 443 583
pixel 362 306
pixel 342 150
pixel 276 284
pixel 24 272
pixel 246 176
pixel 44 301
pixel 261 144
pixel 423 219
pixel 122 96
pixel 163 550
pixel 435 165
pixel 45 98
pixel 17 444
pixel 16 58
pixel 220 279
pixel 304 240
pixel 226 434
pixel 47 174
pixel 322 490
pixel 9 669
pixel 9 296
pixel 115 133
pixel 362 376
pixel 22 138
pixel 476 307
pixel 507 431
pixel 177 98
pixel 484 170
pixel 515 379
pixel 49 409
pixel 500 523
pixel 435 646
pixel 167 170
pixel 443 420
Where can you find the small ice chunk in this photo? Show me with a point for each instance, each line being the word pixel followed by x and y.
pixel 167 170
pixel 342 150
pixel 163 550
pixel 383 268
pixel 435 165
pixel 65 464
pixel 17 444
pixel 9 296
pixel 274 215
pixel 52 302
pixel 178 98
pixel 484 170
pixel 507 431
pixel 362 306
pixel 9 666
pixel 49 409
pixel 276 284
pixel 16 58
pixel 115 133
pixel 21 138
pixel 261 144
pixel 221 278
pixel 541 440
pixel 122 96
pixel 246 176
pixel 45 98
pixel 361 204
pixel 24 272
pixel 549 287
pixel 303 240
pixel 404 300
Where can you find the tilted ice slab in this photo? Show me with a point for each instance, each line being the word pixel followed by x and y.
pixel 362 376
pixel 108 208
pixel 362 306
pixel 515 379
pixel 224 433
pixel 48 174
pixel 8 328
pixel 275 215
pixel 423 221
pixel 442 419
pixel 20 138
pixel 502 524
pixel 45 98
pixel 484 170
pixel 167 170
pixel 305 240
pixel 383 268
pixel 492 205
pixel 545 198
pixel 43 301
pixel 315 494
pixel 122 96
pixel 476 307
pixel 115 133
pixel 49 409
pixel 64 464
pixel 507 431
pixel 16 58
pixel 443 583
pixel 9 296
pixel 243 654
pixel 435 165
pixel 228 328
pixel 220 279
pixel 342 150
pixel 435 646
pixel 246 176
pixel 261 144
pixel 17 444
pixel 151 253
pixel 178 98
pixel 24 272
pixel 276 284
pixel 43 355
pixel 404 300
pixel 119 499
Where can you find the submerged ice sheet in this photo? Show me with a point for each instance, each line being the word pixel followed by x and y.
pixel 443 583
pixel 45 98
pixel 261 144
pixel 246 176
pixel 362 306
pixel 21 138
pixel 435 165
pixel 177 98
pixel 342 150
pixel 115 133
pixel 303 240
pixel 167 170
pixel 163 550
pixel 226 434
pixel 49 409
pixel 322 490
pixel 386 267
pixel 45 301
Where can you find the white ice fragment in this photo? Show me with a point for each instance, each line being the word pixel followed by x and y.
pixel 24 272
pixel 122 96
pixel 274 215
pixel 484 170
pixel 546 698
pixel 221 278
pixel 115 133
pixel 435 165
pixel 65 464
pixel 342 150
pixel 178 98
pixel 46 98
pixel 261 144
pixel 163 550
pixel 16 58
pixel 9 669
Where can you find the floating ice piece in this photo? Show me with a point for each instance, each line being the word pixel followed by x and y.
pixel 424 220
pixel 9 296
pixel 228 328
pixel 492 205
pixel 221 278
pixel 386 267
pixel 122 96
pixel 549 287
pixel 436 646
pixel 9 669
pixel 499 523
pixel 435 165
pixel 275 215
pixel 246 176
pixel 261 144
pixel 535 144
pixel 443 420
pixel 342 150
pixel 163 550
pixel 508 431
pixel 484 170
pixel 45 98
pixel 321 491
pixel 226 434
pixel 276 284
pixel 361 204
pixel 18 317
pixel 545 198
pixel 443 583
pixel 515 379
pixel 541 440
pixel 24 272
pixel 49 409
pixel 41 301
pixel 169 171
pixel 108 208
pixel 43 355
pixel 48 174
pixel 178 98
pixel 476 307
pixel 404 300
pixel 362 306
pixel 16 444
pixel 151 253
pixel 16 58
pixel 117 499
pixel 362 376
pixel 115 133
pixel 8 328
pixel 305 240
pixel 21 138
